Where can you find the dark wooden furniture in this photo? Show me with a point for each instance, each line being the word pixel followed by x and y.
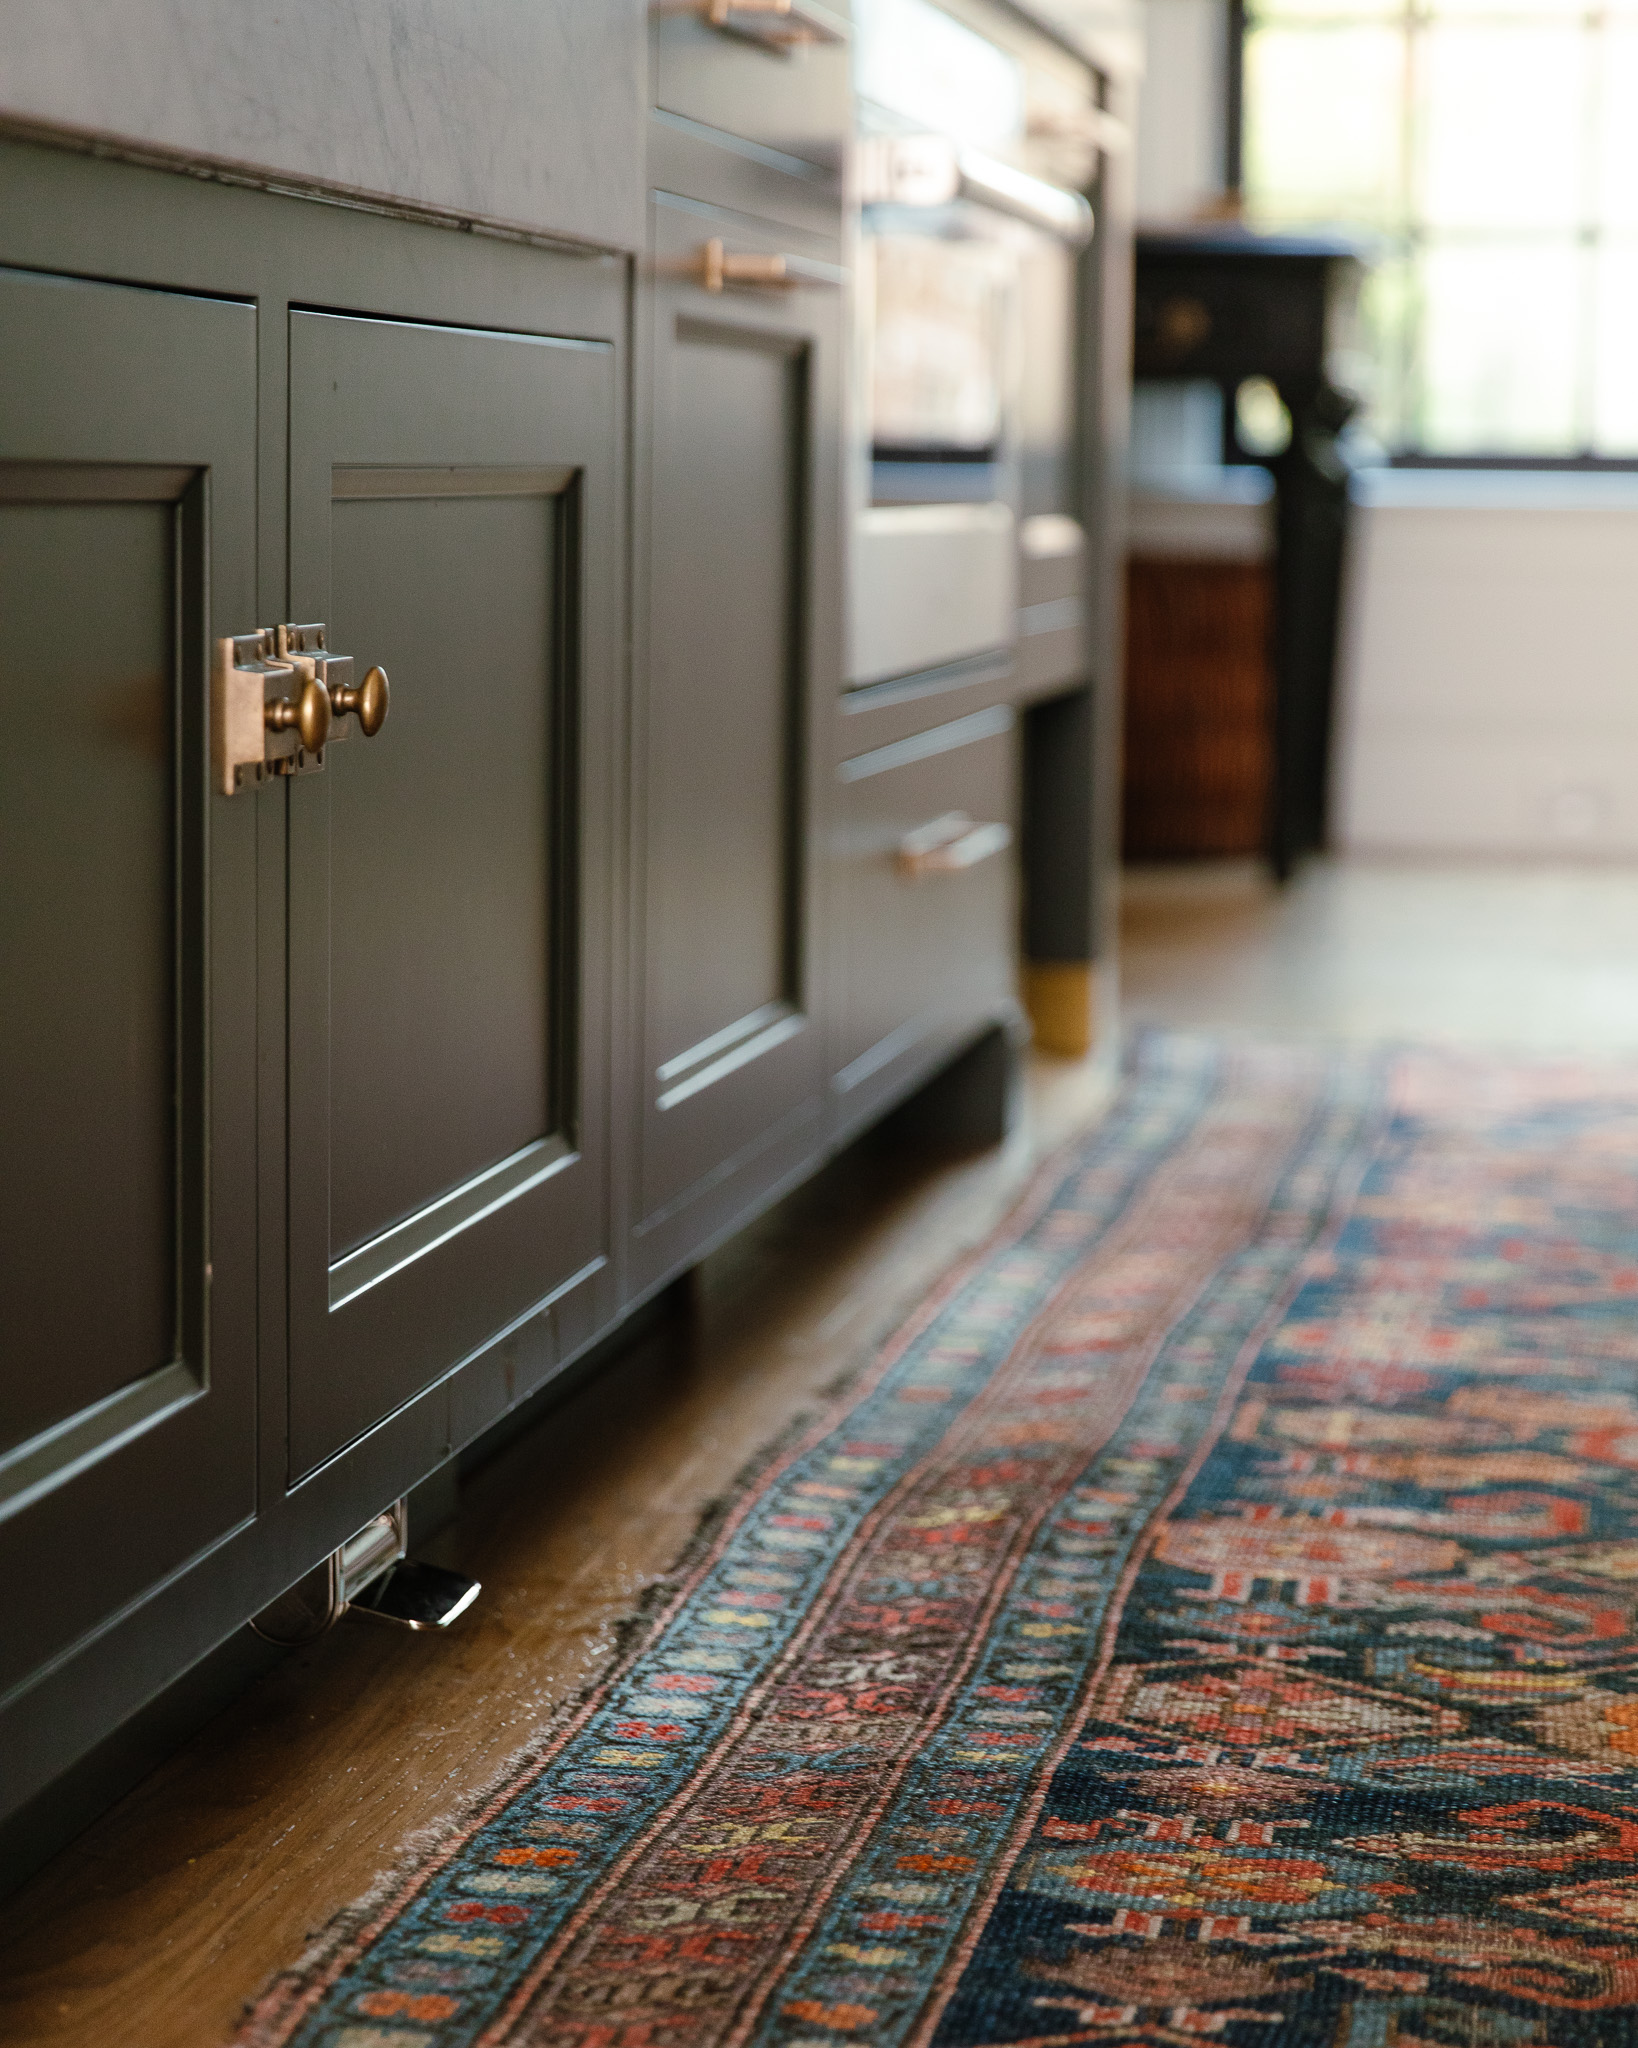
pixel 344 1110
pixel 1223 304
pixel 1199 709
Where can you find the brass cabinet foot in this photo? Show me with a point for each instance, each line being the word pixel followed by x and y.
pixel 1058 995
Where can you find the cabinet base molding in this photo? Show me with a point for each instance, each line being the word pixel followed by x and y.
pixel 1061 998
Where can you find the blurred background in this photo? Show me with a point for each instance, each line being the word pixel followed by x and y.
pixel 1479 160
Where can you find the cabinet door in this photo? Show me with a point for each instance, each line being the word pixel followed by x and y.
pixel 742 635
pixel 127 978
pixel 454 519
pixel 926 902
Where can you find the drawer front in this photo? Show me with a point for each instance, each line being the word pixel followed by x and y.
pixel 926 898
pixel 736 76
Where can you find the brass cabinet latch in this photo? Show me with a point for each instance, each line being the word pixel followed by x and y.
pixel 279 698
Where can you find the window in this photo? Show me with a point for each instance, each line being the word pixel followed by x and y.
pixel 1489 150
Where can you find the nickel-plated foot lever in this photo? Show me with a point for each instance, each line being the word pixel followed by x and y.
pixel 369 1575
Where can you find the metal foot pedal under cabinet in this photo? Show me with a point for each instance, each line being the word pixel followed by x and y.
pixel 369 1575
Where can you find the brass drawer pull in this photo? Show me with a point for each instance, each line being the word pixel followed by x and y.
pixel 780 24
pixel 718 268
pixel 949 844
pixel 714 267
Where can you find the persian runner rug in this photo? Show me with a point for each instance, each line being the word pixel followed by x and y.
pixel 1214 1615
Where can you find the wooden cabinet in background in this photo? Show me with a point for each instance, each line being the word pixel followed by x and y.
pixel 1199 730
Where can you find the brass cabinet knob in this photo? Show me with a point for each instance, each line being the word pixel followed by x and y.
pixel 371 700
pixel 309 714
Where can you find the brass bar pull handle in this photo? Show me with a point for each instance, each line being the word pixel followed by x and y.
pixel 780 24
pixel 371 700
pixel 717 267
pixel 948 845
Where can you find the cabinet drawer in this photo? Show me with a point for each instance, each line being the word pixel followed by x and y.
pixel 926 898
pixel 737 75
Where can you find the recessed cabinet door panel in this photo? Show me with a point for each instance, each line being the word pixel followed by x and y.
pixel 730 1055
pixel 127 447
pixel 441 910
pixel 87 847
pixel 452 520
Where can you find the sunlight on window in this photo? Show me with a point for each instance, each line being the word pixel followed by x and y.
pixel 1336 149
pixel 1615 349
pixel 1499 328
pixel 1486 153
pixel 1499 127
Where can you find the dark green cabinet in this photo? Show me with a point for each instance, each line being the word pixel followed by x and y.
pixel 339 1112
pixel 454 517
pixel 742 618
pixel 305 1102
pixel 127 953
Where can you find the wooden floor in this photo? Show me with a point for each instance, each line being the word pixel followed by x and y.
pixel 153 1928
pixel 1489 952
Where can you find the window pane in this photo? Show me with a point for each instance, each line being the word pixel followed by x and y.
pixel 1503 126
pixel 1499 354
pixel 1324 124
pixel 1615 351
pixel 1542 10
pixel 1387 333
pixel 1272 12
pixel 1617 194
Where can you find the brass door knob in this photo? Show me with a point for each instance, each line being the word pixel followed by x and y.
pixel 309 714
pixel 371 700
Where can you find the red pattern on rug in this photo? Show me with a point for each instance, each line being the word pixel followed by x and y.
pixel 1212 1615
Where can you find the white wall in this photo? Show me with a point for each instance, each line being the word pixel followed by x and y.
pixel 1180 154
pixel 1488 678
